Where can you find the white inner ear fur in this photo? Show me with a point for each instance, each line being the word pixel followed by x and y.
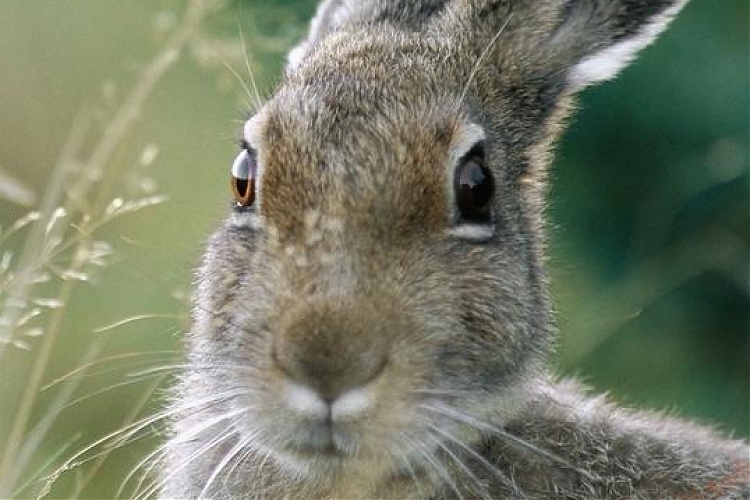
pixel 606 63
pixel 330 13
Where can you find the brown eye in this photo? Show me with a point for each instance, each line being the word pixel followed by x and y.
pixel 474 189
pixel 242 179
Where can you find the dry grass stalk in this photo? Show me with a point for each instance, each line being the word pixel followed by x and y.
pixel 60 242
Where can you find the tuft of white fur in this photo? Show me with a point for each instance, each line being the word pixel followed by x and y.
pixel 305 401
pixel 352 404
pixel 472 232
pixel 248 220
pixel 464 138
pixel 606 63
pixel 295 56
pixel 252 129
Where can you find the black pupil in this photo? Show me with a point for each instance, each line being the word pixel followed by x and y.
pixel 474 190
pixel 242 185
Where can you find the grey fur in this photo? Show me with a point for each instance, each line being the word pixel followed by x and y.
pixel 355 279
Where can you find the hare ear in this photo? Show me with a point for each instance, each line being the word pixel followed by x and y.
pixel 582 41
pixel 605 36
pixel 329 15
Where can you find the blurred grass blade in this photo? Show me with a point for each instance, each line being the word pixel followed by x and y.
pixel 13 190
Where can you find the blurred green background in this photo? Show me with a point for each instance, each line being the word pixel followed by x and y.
pixel 649 215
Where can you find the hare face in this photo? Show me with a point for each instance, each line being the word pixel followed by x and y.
pixel 378 294
pixel 387 284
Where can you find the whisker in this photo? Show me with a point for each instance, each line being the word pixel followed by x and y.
pixel 103 453
pixel 487 427
pixel 231 455
pixel 197 366
pixel 504 480
pixel 445 392
pixel 132 319
pixel 215 441
pixel 239 79
pixel 153 459
pixel 461 465
pixel 126 433
pixel 486 51
pixel 183 436
pixel 439 469
pixel 258 100
pixel 247 455
pixel 403 458
pixel 143 375
pixel 109 388
pixel 108 359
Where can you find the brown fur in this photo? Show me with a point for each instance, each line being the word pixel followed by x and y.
pixel 354 287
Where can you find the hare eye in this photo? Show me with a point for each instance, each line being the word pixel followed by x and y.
pixel 242 179
pixel 474 188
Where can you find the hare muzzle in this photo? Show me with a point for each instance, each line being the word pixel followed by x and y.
pixel 329 350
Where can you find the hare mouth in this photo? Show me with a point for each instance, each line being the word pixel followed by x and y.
pixel 321 440
pixel 312 457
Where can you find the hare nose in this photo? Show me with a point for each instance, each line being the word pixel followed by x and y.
pixel 330 348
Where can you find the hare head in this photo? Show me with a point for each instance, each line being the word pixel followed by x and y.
pixel 380 282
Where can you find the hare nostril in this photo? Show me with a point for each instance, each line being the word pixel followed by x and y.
pixel 328 378
pixel 329 348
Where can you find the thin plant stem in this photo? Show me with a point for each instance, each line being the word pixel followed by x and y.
pixel 28 399
pixel 33 255
pixel 40 430
pixel 86 479
pixel 111 138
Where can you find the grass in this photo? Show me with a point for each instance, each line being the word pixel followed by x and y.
pixel 62 250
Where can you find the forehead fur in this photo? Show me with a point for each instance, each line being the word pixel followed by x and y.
pixel 341 147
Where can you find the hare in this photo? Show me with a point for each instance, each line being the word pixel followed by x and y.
pixel 373 319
